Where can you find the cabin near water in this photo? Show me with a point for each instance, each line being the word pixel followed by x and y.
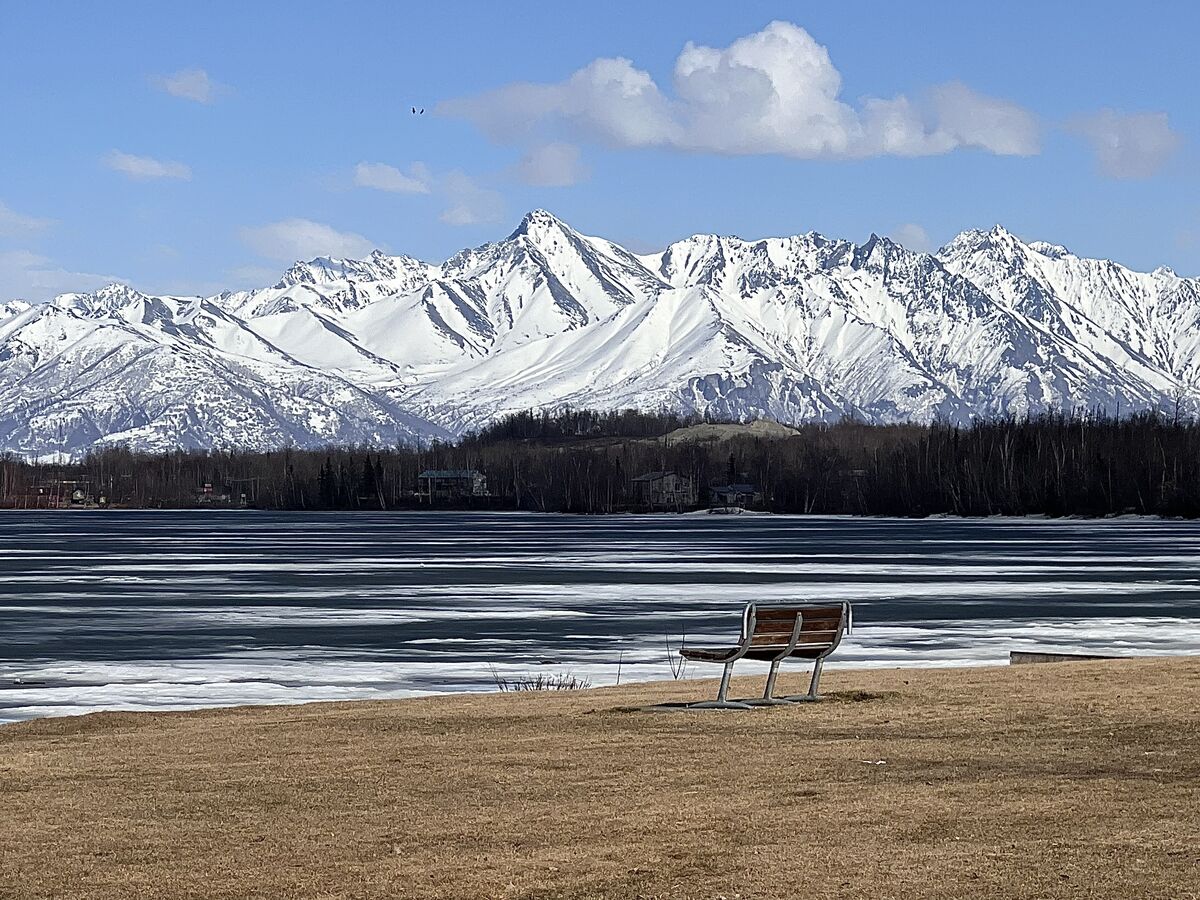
pixel 737 494
pixel 447 485
pixel 665 490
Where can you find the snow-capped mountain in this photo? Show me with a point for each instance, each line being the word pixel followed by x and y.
pixel 390 349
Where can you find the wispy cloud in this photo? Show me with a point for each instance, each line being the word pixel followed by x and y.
pixel 247 277
pixel 772 92
pixel 469 202
pixel 292 239
pixel 382 177
pixel 191 84
pixel 15 224
pixel 465 200
pixel 30 276
pixel 912 236
pixel 146 168
pixel 556 164
pixel 1128 145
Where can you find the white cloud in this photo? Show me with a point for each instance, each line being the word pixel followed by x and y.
pixel 912 236
pixel 556 164
pixel 383 177
pixel 31 276
pixel 1133 145
pixel 15 224
pixel 470 204
pixel 191 84
pixel 466 201
pixel 249 277
pixel 972 119
pixel 775 91
pixel 293 239
pixel 146 168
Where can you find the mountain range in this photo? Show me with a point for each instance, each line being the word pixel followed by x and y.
pixel 390 349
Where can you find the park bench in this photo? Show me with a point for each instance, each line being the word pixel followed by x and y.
pixel 773 632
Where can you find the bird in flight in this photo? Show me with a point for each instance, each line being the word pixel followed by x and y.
pixel 418 112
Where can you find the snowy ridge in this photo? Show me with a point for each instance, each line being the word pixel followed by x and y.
pixel 389 349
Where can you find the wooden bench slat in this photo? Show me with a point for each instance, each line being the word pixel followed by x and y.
pixel 711 654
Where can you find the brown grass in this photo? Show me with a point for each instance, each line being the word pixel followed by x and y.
pixel 1073 780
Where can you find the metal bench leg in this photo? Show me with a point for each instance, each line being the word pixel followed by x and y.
pixel 816 678
pixel 722 701
pixel 768 698
pixel 813 685
pixel 770 688
pixel 723 690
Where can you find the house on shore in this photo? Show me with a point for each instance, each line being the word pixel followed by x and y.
pixel 664 490
pixel 740 494
pixel 443 485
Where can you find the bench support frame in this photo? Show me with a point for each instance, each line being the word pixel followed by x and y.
pixel 768 698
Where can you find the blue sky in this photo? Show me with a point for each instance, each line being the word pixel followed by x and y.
pixel 192 148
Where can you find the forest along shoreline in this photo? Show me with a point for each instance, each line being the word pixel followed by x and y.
pixel 1051 465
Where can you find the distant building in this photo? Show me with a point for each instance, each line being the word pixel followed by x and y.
pixel 210 494
pixel 435 485
pixel 664 490
pixel 741 494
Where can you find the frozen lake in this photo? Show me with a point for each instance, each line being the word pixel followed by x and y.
pixel 172 610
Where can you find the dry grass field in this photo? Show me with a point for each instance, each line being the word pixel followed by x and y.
pixel 1066 780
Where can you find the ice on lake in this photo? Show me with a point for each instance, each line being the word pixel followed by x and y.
pixel 149 610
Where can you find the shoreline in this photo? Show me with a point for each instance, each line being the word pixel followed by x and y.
pixel 584 672
pixel 658 514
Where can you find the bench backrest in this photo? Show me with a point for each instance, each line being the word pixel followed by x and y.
pixel 769 626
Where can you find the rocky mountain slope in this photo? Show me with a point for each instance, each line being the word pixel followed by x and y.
pixel 390 349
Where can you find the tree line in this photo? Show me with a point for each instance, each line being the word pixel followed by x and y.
pixel 583 461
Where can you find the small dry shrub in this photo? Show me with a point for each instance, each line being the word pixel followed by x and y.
pixel 543 681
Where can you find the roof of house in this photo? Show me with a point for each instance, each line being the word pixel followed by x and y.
pixel 654 476
pixel 450 473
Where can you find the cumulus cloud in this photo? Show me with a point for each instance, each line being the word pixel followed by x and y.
pixel 556 164
pixel 292 239
pixel 190 84
pixel 1128 145
pixel 775 91
pixel 469 202
pixel 912 236
pixel 15 224
pixel 146 168
pixel 382 177
pixel 27 275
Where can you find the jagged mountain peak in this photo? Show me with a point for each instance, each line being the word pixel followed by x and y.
pixel 538 222
pixel 1053 251
pixel 113 299
pixel 996 239
pixel 377 266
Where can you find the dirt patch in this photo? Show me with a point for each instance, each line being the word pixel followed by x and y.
pixel 858 696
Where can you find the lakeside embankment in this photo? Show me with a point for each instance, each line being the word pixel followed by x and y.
pixel 1077 779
